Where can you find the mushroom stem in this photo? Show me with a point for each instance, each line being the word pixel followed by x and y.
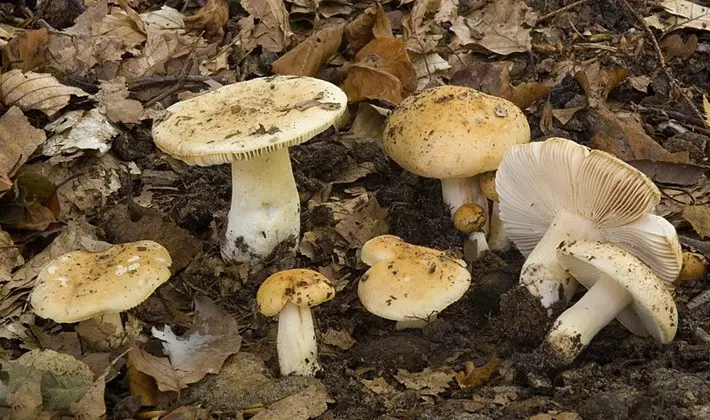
pixel 541 273
pixel 415 323
pixel 459 191
pixel 497 238
pixel 578 325
pixel 296 341
pixel 265 207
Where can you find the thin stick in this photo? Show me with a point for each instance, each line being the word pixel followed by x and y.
pixel 560 10
pixel 142 83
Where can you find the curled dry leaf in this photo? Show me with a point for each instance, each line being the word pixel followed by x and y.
pixel 475 376
pixel 26 50
pixel 211 18
pixel 383 71
pixel 309 55
pixel 371 24
pixel 273 31
pixel 135 17
pixel 18 139
pixel 38 91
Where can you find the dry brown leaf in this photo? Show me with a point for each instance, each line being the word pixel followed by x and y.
pixel 38 91
pixel 141 385
pixel 706 110
pixel 36 217
pixel 338 338
pixel 557 415
pixel 564 115
pixel 273 31
pixel 597 82
pixel 640 83
pixel 135 17
pixel 680 14
pixel 311 54
pixel 382 70
pixel 18 139
pixel 371 24
pixel 378 385
pixel 26 50
pixel 203 348
pixel 114 102
pixel 547 125
pixel 427 382
pixel 120 26
pixel 10 257
pixel 308 403
pixel 211 18
pixel 491 78
pixel 673 46
pixel 475 376
pixel 699 218
pixel 363 225
pixel 502 27
pixel 527 93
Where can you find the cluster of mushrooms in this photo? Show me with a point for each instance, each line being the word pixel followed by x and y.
pixel 580 216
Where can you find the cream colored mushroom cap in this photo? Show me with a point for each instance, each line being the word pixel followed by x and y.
pixel 653 311
pixel 247 119
pixel 387 247
pixel 80 285
pixel 453 132
pixel 305 288
pixel 406 289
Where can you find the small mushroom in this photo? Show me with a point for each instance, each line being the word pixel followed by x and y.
pixel 291 294
pixel 251 125
pixel 497 239
pixel 558 190
pixel 409 284
pixel 81 285
pixel 619 286
pixel 469 218
pixel 695 266
pixel 454 133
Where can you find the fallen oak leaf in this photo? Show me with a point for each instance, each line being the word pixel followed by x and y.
pixel 18 139
pixel 211 18
pixel 38 91
pixel 371 24
pixel 26 50
pixel 308 56
pixel 273 31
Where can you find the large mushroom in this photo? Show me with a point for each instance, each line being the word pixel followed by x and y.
pixel 251 125
pixel 454 133
pixel 291 294
pixel 558 190
pixel 619 286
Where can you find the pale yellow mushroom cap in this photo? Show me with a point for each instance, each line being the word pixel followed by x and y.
pixel 488 185
pixel 453 132
pixel 247 119
pixel 80 285
pixel 387 247
pixel 470 217
pixel 305 288
pixel 695 266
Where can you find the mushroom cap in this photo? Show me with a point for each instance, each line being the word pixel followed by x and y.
pixel 453 132
pixel 469 217
pixel 537 180
pixel 248 119
pixel 80 285
pixel 695 266
pixel 405 289
pixel 305 288
pixel 487 183
pixel 653 311
pixel 388 247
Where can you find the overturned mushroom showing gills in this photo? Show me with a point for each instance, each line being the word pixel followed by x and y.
pixel 558 190
pixel 291 294
pixel 251 125
pixel 454 133
pixel 81 285
pixel 407 283
pixel 619 286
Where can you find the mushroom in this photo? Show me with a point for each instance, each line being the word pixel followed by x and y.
pixel 409 284
pixel 454 133
pixel 81 285
pixel 619 286
pixel 497 239
pixel 251 125
pixel 695 266
pixel 558 190
pixel 291 294
pixel 469 218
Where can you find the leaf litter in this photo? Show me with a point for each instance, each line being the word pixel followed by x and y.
pixel 78 171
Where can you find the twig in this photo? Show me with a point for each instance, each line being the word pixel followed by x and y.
pixel 661 60
pixel 181 77
pixel 142 83
pixel 560 10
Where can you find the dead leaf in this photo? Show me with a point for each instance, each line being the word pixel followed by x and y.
pixel 378 385
pixel 699 218
pixel 427 382
pixel 640 83
pixel 382 70
pixel 36 217
pixel 78 131
pixel 680 14
pixel 369 123
pixel 597 82
pixel 565 115
pixel 371 24
pixel 475 376
pixel 18 139
pixel 165 18
pixel 706 109
pixel 10 257
pixel 431 69
pixel 305 404
pixel 201 350
pixel 669 173
pixel 527 93
pixel 338 338
pixel 273 31
pixel 311 54
pixel 26 50
pixel 502 27
pixel 211 18
pixel 141 384
pixel 39 91
pixel 557 415
pixel 673 46
pixel 135 17
pixel 114 102
pixel 494 79
pixel 364 224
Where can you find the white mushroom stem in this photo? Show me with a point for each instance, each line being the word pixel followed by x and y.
pixel 265 207
pixel 541 273
pixel 459 191
pixel 296 341
pixel 497 238
pixel 578 325
pixel 415 323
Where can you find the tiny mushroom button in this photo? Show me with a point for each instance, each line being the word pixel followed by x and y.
pixel 251 125
pixel 291 294
pixel 454 133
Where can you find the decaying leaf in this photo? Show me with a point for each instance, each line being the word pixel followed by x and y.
pixel 141 384
pixel 680 14
pixel 428 381
pixel 18 139
pixel 371 24
pixel 430 69
pixel 475 376
pixel 211 18
pixel 673 46
pixel 26 50
pixel 38 91
pixel 706 110
pixel 364 224
pixel 79 131
pixel 10 257
pixel 114 103
pixel 273 31
pixel 369 123
pixel 382 70
pixel 165 18
pixel 308 56
pixel 305 404
pixel 378 385
pixel 202 350
pixel 338 338
pixel 557 415
pixel 699 218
